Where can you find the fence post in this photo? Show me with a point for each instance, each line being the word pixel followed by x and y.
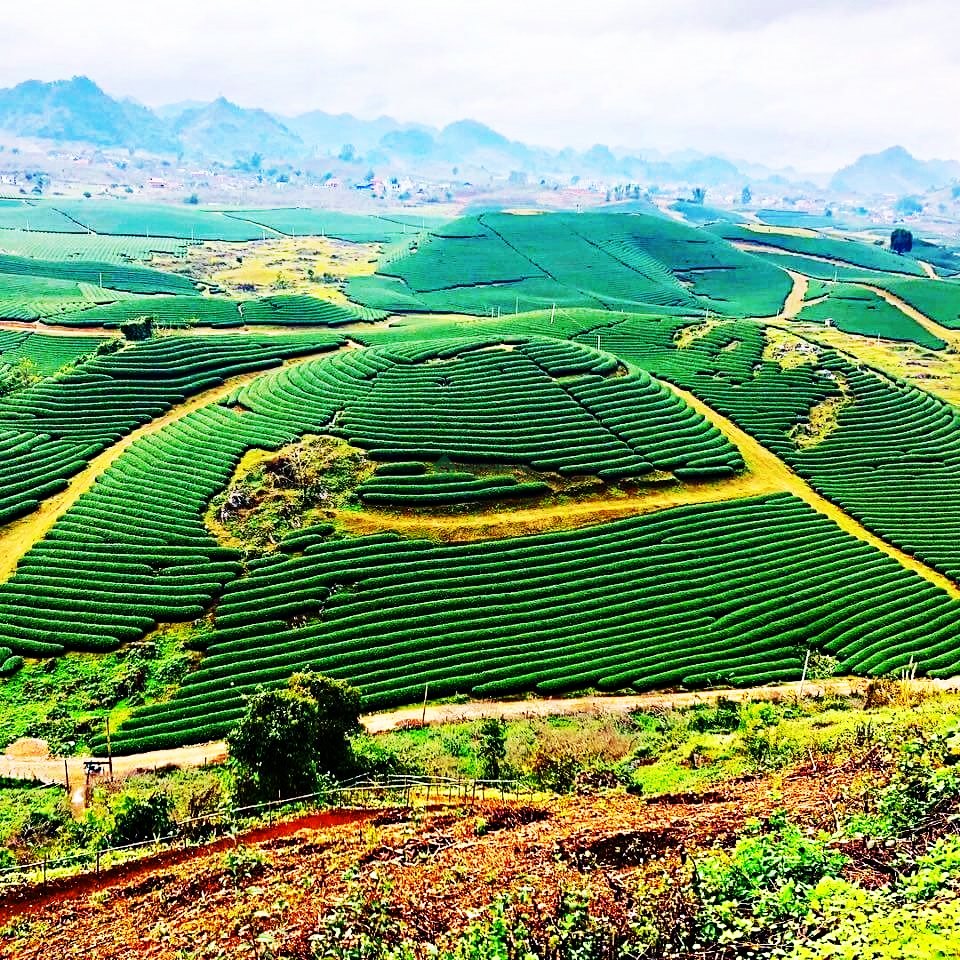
pixel 44 871
pixel 98 863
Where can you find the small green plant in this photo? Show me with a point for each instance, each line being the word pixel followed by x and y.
pixel 822 666
pixel 243 864
pixel 491 747
pixel 921 788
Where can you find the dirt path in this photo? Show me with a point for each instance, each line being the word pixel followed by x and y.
pixel 30 899
pixel 929 270
pixel 783 231
pixel 783 251
pixel 460 527
pixel 760 460
pixel 795 299
pixel 16 538
pixel 255 330
pixel 948 336
pixel 51 769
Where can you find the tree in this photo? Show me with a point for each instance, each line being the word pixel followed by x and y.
pixel 491 747
pixel 17 376
pixel 746 195
pixel 699 195
pixel 288 738
pixel 348 153
pixel 901 241
pixel 907 206
pixel 140 328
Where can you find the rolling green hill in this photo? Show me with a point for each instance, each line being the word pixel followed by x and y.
pixel 640 483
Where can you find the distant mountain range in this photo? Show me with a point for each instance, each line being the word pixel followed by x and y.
pixel 79 111
pixel 894 171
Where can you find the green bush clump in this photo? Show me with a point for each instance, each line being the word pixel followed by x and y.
pixel 766 882
pixel 10 666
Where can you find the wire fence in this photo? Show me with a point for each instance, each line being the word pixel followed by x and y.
pixel 358 794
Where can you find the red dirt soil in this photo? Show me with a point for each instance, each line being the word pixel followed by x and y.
pixel 442 867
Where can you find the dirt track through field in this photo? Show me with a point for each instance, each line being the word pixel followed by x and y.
pixel 256 330
pixel 30 898
pixel 928 323
pixel 18 537
pixel 748 247
pixel 928 269
pixel 795 299
pixel 766 463
pixel 51 769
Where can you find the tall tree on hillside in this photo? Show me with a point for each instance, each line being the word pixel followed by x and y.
pixel 699 195
pixel 746 195
pixel 901 241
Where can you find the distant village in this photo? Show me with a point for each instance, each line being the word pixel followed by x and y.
pixel 37 169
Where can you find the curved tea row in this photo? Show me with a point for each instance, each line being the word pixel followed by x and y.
pixel 49 431
pixel 893 460
pixel 722 593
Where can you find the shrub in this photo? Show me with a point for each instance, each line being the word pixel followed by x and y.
pixel 287 738
pixel 768 878
pixel 137 818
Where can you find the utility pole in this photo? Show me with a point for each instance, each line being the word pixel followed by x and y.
pixel 803 678
pixel 423 717
pixel 109 748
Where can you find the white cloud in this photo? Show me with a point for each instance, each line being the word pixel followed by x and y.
pixel 811 82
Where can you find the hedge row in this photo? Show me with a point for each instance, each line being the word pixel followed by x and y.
pixel 731 591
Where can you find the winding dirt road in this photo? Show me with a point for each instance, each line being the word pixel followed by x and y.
pixel 51 769
pixel 795 299
pixel 928 323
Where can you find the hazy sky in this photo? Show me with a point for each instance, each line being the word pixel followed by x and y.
pixel 814 83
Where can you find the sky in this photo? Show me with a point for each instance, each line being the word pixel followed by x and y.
pixel 809 83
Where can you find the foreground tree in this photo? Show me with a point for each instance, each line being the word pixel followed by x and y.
pixel 289 738
pixel 901 241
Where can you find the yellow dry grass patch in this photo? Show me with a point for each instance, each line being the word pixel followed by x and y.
pixel 592 508
pixel 937 372
pixel 284 265
pixel 788 350
pixel 823 419
pixel 686 336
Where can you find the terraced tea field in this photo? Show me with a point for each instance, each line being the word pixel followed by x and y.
pixel 518 453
